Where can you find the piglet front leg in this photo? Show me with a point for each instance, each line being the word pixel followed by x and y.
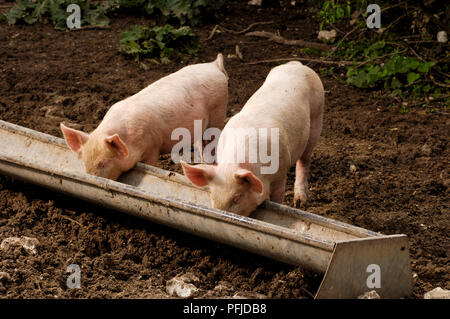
pixel 277 190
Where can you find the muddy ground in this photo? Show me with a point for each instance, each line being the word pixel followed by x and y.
pixel 400 184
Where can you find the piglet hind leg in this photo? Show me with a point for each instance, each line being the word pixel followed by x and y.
pixel 303 165
pixel 301 181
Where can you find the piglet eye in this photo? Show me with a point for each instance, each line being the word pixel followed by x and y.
pixel 237 199
pixel 101 165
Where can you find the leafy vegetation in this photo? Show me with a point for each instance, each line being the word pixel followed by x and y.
pixel 332 11
pixel 382 64
pixel 382 58
pixel 159 43
pixel 32 12
pixel 399 71
pixel 191 12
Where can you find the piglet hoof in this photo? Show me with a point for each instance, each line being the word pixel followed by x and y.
pixel 300 202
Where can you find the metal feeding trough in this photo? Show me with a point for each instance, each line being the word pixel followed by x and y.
pixel 353 260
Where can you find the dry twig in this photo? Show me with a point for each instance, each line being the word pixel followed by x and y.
pixel 238 52
pixel 438 83
pixel 213 31
pixel 72 220
pixel 279 39
pixel 428 101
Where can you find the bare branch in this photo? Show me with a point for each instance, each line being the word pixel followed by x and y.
pixel 279 39
pixel 213 31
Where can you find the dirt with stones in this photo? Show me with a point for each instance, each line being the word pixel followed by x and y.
pixel 399 182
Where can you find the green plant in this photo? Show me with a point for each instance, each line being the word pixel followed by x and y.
pixel 332 11
pixel 398 72
pixel 185 11
pixel 388 58
pixel 159 43
pixel 182 12
pixel 380 63
pixel 326 71
pixel 191 12
pixel 361 50
pixel 32 12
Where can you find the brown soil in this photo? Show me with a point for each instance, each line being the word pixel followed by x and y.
pixel 47 76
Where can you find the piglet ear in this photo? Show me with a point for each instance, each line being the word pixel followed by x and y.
pixel 246 176
pixel 115 143
pixel 74 138
pixel 199 175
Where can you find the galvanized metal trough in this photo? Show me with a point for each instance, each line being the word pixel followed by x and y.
pixel 345 254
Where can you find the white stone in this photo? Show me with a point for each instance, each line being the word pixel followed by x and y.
pixel 4 276
pixel 28 243
pixel 370 295
pixel 352 168
pixel 442 37
pixel 327 35
pixel 437 293
pixel 255 2
pixel 249 295
pixel 181 286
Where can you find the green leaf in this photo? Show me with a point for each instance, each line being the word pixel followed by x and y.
pixel 159 42
pixel 396 92
pixel 17 12
pixel 58 15
pixel 412 77
pixel 426 88
pixel 395 83
pixel 348 9
pixel 339 13
pixel 378 45
pixel 411 63
pixel 425 67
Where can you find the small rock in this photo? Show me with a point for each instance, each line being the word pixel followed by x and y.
pixel 437 293
pixel 327 35
pixel 28 243
pixel 352 168
pixel 442 37
pixel 249 295
pixel 180 286
pixel 426 150
pixel 4 277
pixel 370 295
pixel 255 3
pixel 238 52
